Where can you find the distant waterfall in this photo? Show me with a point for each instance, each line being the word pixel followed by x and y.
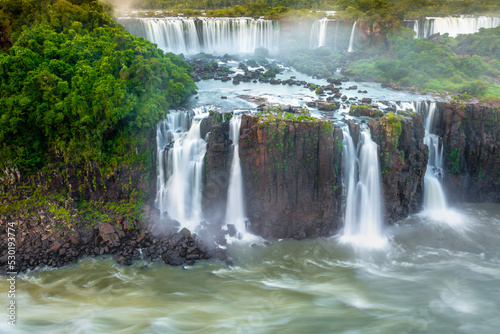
pixel 235 210
pixel 455 26
pixel 180 161
pixel 363 212
pixel 209 35
pixel 416 28
pixel 318 34
pixel 351 40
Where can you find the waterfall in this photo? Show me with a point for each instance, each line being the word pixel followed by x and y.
pixel 180 161
pixel 209 35
pixel 434 198
pixel 318 34
pixel 458 25
pixel 363 212
pixel 416 28
pixel 351 40
pixel 235 210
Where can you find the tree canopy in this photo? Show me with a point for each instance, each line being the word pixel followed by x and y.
pixel 76 85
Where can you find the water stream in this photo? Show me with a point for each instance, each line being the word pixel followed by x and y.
pixel 180 165
pixel 351 40
pixel 235 211
pixel 363 213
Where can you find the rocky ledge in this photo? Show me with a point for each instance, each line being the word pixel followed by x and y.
pixel 76 211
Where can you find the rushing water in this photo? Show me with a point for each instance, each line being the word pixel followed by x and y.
pixel 209 35
pixel 363 214
pixel 453 26
pixel 430 279
pixel 435 203
pixel 235 211
pixel 180 165
pixel 351 40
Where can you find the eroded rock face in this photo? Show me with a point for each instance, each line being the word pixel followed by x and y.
pixel 471 140
pixel 403 162
pixel 291 171
pixel 216 170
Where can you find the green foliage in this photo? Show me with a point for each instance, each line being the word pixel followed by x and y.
pixel 236 8
pixel 393 126
pixel 322 62
pixel 76 85
pixel 433 65
pixel 454 161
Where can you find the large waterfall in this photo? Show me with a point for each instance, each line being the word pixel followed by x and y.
pixel 363 212
pixel 235 210
pixel 209 35
pixel 453 26
pixel 180 162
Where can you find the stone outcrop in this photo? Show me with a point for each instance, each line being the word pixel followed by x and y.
pixel 403 162
pixel 292 177
pixel 44 239
pixel 216 169
pixel 471 141
pixel 69 211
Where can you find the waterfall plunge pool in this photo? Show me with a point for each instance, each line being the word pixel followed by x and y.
pixel 430 279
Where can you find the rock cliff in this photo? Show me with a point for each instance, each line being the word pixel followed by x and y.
pixel 403 162
pixel 292 177
pixel 471 140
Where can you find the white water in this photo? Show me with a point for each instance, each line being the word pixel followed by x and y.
pixel 363 214
pixel 351 40
pixel 235 210
pixel 180 164
pixel 211 35
pixel 318 34
pixel 435 203
pixel 455 26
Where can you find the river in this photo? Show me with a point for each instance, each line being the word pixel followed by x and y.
pixel 432 277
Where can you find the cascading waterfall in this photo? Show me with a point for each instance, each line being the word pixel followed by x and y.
pixel 455 26
pixel 180 162
pixel 235 210
pixel 210 35
pixel 318 34
pixel 363 213
pixel 416 28
pixel 351 40
pixel 434 198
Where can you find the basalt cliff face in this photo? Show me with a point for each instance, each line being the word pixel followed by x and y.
pixel 471 141
pixel 403 162
pixel 292 179
pixel 292 172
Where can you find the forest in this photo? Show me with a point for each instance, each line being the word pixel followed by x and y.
pixel 75 86
pixel 354 8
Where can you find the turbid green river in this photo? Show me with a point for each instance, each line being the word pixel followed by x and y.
pixel 432 277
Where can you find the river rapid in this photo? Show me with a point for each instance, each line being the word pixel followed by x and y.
pixel 432 277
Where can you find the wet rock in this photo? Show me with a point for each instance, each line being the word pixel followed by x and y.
pixel 108 234
pixel 274 209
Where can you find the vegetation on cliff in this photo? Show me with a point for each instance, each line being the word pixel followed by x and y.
pixel 78 86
